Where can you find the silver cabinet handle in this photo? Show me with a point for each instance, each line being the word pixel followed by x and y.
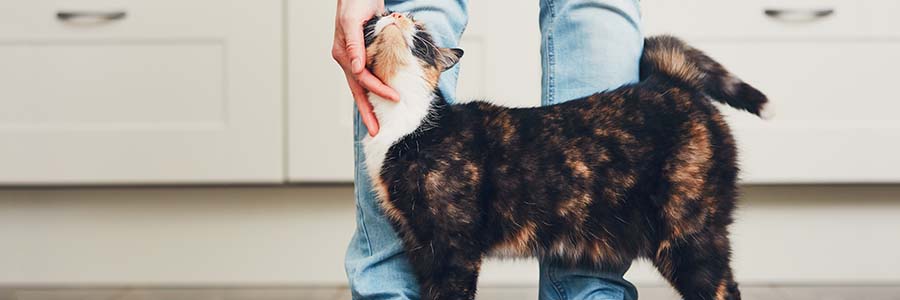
pixel 91 16
pixel 801 15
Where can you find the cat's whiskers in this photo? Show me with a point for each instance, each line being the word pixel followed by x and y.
pixel 427 42
pixel 440 35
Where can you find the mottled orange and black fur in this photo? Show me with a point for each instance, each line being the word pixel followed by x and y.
pixel 647 170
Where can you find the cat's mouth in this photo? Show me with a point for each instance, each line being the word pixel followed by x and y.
pixel 396 25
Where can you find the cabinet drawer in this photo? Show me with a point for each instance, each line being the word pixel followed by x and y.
pixel 135 92
pixel 169 19
pixel 831 80
pixel 738 19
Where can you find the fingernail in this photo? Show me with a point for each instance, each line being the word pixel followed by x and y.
pixel 357 65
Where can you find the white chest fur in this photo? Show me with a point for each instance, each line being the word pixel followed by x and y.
pixel 397 119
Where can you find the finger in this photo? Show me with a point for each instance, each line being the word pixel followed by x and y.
pixel 367 114
pixel 364 106
pixel 353 39
pixel 373 84
pixel 339 56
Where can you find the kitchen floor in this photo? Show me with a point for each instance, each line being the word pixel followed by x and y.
pixel 646 293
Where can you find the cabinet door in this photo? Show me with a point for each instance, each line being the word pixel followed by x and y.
pixel 836 118
pixel 830 78
pixel 140 92
pixel 321 108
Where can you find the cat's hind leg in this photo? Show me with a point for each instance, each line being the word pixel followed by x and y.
pixel 698 266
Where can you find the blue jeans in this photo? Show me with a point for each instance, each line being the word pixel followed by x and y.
pixel 587 46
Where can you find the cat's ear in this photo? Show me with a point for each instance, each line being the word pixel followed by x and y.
pixel 450 56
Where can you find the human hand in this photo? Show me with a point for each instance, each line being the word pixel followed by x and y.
pixel 349 51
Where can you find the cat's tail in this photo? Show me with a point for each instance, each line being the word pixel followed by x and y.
pixel 667 57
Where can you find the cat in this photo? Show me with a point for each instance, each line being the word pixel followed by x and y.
pixel 646 170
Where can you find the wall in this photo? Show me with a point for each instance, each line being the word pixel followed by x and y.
pixel 297 235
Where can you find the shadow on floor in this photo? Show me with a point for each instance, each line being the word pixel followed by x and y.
pixel 773 292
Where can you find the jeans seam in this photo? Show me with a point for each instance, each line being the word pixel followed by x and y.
pixel 360 194
pixel 551 55
pixel 619 11
pixel 551 67
pixel 557 286
pixel 365 231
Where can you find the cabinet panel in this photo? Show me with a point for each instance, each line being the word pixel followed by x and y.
pixel 172 92
pixel 62 85
pixel 320 106
pixel 836 117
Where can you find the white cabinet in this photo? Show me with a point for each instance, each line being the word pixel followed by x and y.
pixel 134 92
pixel 828 66
pixel 159 92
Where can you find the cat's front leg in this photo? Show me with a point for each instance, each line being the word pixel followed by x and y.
pixel 446 272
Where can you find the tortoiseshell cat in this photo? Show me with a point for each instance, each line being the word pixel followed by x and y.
pixel 643 171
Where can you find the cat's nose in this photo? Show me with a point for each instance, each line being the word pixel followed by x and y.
pixel 397 15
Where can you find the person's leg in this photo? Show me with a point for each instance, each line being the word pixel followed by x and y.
pixel 375 262
pixel 587 46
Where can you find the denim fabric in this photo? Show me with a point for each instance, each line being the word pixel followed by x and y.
pixel 587 46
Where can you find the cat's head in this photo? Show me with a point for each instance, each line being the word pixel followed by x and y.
pixel 397 45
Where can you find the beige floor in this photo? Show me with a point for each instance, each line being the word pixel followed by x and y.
pixel 646 293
